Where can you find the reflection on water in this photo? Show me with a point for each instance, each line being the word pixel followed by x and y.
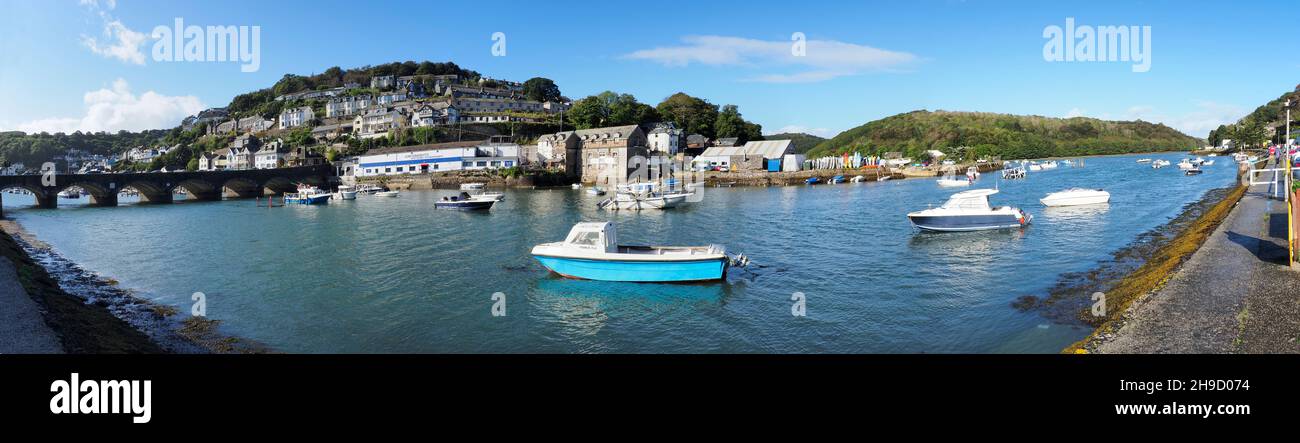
pixel 397 275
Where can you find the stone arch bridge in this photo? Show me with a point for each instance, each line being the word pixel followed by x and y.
pixel 159 187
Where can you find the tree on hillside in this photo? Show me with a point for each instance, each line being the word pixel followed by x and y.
pixel 541 89
pixel 693 115
pixel 610 109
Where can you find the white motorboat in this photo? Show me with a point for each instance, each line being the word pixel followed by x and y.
pixel 1075 197
pixel 1049 165
pixel 969 211
pixel 368 189
pixel 637 196
pixel 70 193
pixel 857 179
pixel 1207 163
pixel 1185 164
pixel 387 194
pixel 576 186
pixel 595 190
pixel 951 181
pixel 1035 167
pixel 498 196
pixel 1159 164
pixel 472 186
pixel 592 252
pixel 1144 160
pixel 346 192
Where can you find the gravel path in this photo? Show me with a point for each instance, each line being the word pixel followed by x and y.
pixel 22 327
pixel 1234 295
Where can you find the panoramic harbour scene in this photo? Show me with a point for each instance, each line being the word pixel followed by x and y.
pixel 200 186
pixel 397 275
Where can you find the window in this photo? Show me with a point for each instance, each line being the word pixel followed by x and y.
pixel 388 169
pixel 482 163
pixel 589 239
pixel 509 163
pixel 466 164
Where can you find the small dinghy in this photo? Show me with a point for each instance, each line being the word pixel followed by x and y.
pixel 591 252
pixel 812 180
pixel 951 181
pixel 1195 170
pixel 389 194
pixel 858 179
pixel 464 201
pixel 836 179
pixel 1076 197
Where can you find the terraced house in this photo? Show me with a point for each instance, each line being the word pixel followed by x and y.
pixel 346 106
pixel 292 118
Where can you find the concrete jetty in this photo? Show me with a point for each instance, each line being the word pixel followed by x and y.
pixel 1234 295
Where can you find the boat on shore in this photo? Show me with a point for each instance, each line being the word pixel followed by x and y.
pixel 969 211
pixel 836 180
pixel 591 252
pixel 1076 197
pixel 464 201
pixel 812 180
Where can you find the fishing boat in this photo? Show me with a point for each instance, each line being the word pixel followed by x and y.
pixel 969 211
pixel 346 192
pixel 1075 197
pixel 472 186
pixel 464 201
pixel 307 195
pixel 389 194
pixel 591 252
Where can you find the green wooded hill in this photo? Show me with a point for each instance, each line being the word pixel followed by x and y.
pixel 802 142
pixel 1005 135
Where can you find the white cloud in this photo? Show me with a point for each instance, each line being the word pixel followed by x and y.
pixel 1075 112
pixel 822 59
pixel 791 129
pixel 118 41
pixel 118 109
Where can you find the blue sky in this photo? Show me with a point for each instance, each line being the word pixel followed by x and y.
pixel 88 65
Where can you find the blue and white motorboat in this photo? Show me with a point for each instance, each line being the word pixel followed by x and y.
pixel 591 252
pixel 467 202
pixel 812 180
pixel 307 195
pixel 969 211
pixel 836 179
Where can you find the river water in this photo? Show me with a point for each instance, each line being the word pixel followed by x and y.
pixel 396 275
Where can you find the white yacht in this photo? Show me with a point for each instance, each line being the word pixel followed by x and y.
pixel 1075 197
pixel 969 211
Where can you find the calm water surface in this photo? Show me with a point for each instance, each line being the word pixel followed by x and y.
pixel 396 275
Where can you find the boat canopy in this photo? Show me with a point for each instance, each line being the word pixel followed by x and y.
pixel 595 236
pixel 972 199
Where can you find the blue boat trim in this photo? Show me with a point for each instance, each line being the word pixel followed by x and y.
pixel 643 271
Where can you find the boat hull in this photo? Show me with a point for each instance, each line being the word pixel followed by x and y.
pixel 636 271
pixel 308 200
pixel 1091 199
pixel 466 205
pixel 959 223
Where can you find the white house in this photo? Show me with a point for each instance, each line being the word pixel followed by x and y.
pixel 383 81
pixel 292 118
pixel 271 155
pixel 345 106
pixel 377 122
pixel 432 114
pixel 665 137
pixel 390 98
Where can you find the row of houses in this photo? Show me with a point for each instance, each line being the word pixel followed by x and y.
pixel 249 152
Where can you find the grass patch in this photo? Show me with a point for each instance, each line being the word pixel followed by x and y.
pixel 1157 270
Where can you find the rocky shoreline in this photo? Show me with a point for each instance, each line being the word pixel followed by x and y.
pixel 55 281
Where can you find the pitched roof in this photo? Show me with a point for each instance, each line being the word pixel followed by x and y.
pixel 765 148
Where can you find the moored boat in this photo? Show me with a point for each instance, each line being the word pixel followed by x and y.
pixel 1075 197
pixel 472 186
pixel 591 252
pixel 464 201
pixel 389 194
pixel 307 195
pixel 969 211
pixel 346 192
